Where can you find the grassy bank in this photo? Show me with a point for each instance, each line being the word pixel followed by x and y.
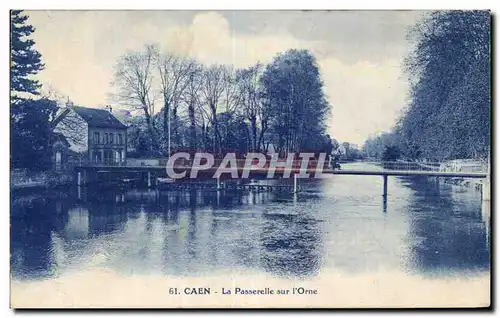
pixel 25 179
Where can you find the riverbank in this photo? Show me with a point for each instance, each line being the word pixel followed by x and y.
pixel 23 179
pixel 465 182
pixel 101 288
pixel 464 165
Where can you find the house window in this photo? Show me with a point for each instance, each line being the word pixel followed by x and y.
pixel 58 160
pixel 111 138
pixel 96 137
pixel 120 140
pixel 107 138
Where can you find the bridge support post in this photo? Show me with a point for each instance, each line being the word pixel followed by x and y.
pixel 485 186
pixel 219 187
pixel 295 184
pixel 486 189
pixel 149 179
pixel 384 193
pixel 79 178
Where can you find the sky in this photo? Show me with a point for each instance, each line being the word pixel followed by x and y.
pixel 360 53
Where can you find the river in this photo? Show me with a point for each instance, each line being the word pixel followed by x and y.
pixel 338 235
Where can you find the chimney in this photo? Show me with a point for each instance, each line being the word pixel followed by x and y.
pixel 69 103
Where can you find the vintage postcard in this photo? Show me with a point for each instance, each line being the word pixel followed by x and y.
pixel 250 159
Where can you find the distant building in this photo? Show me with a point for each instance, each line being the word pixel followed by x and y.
pixel 341 150
pixel 90 135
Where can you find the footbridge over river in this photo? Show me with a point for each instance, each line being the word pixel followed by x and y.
pixel 154 173
pixel 408 169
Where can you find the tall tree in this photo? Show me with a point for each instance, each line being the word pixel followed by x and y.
pixel 173 72
pixel 25 60
pixel 30 119
pixel 191 97
pixel 294 91
pixel 449 69
pixel 250 91
pixel 214 83
pixel 237 134
pixel 231 102
pixel 134 78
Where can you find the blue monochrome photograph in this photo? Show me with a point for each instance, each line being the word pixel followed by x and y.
pixel 250 159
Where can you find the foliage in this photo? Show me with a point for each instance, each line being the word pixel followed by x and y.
pixel 216 108
pixel 30 119
pixel 25 60
pixel 251 92
pixel 375 147
pixel 237 136
pixel 449 112
pixel 134 74
pixel 296 102
pixel 175 73
pixel 391 153
pixel 31 134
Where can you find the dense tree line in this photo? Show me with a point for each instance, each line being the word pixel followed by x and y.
pixel 218 108
pixel 378 147
pixel 386 147
pixel 448 115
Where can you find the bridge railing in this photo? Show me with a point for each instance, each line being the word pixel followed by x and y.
pixel 297 164
pixel 391 165
pixel 411 166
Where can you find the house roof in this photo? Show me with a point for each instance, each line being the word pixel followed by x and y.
pixel 98 117
pixel 60 137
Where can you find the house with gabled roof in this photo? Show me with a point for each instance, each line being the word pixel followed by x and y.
pixel 94 135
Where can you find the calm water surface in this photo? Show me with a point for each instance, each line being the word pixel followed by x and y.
pixel 424 228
